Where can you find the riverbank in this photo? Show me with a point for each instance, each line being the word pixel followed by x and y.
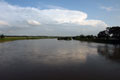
pixel 97 40
pixel 106 41
pixel 13 38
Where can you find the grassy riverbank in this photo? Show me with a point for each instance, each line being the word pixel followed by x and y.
pixel 23 38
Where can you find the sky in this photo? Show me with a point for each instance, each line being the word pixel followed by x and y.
pixel 58 17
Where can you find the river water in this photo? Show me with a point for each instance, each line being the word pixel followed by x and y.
pixel 51 59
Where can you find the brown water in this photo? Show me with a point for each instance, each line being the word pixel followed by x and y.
pixel 50 59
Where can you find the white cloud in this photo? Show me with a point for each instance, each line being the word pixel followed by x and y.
pixel 106 8
pixel 33 22
pixel 2 23
pixel 18 16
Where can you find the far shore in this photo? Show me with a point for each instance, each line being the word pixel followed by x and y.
pixel 97 40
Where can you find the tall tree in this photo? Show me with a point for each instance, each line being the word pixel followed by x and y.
pixel 110 32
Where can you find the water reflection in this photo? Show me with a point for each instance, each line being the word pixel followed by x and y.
pixel 65 55
pixel 110 52
pixel 49 52
pixel 50 59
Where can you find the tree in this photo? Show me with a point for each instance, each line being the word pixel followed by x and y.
pixel 114 32
pixel 90 36
pixel 110 32
pixel 82 36
pixel 103 34
pixel 2 36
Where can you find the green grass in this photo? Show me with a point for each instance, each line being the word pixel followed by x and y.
pixel 22 38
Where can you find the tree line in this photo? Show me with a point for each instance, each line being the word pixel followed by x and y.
pixel 111 33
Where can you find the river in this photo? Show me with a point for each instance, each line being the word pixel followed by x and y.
pixel 51 59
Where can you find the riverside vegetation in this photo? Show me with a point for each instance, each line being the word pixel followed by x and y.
pixel 4 38
pixel 110 35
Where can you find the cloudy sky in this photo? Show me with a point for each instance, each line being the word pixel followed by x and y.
pixel 57 17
